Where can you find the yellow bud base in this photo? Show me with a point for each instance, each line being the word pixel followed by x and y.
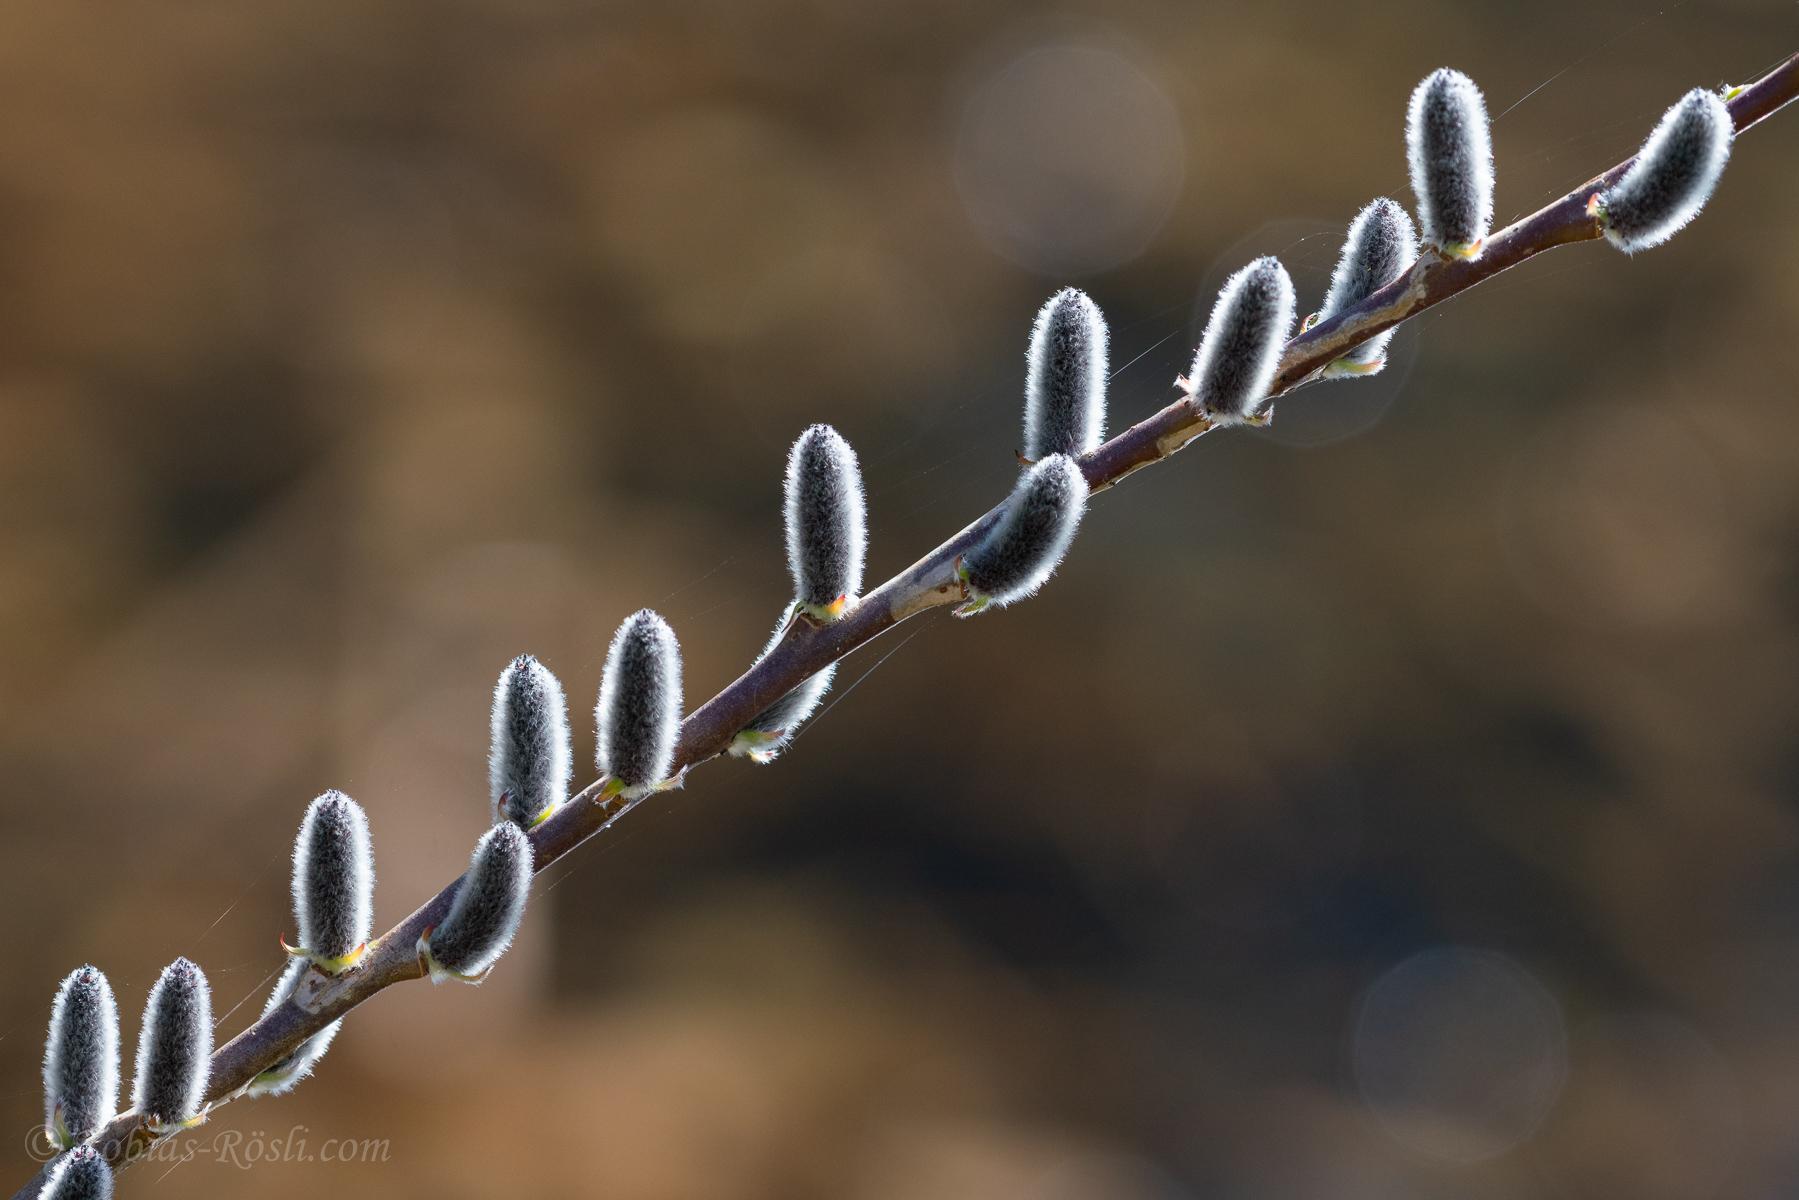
pixel 330 966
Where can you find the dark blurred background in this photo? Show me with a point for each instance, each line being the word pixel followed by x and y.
pixel 1401 802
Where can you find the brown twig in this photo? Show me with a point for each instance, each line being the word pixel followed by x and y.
pixel 810 646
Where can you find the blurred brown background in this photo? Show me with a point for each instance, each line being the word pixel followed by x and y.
pixel 1402 802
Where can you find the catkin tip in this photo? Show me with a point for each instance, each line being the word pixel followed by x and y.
pixel 81 1174
pixel 174 1048
pixel 1236 360
pixel 1673 176
pixel 1065 378
pixel 826 519
pixel 639 710
pixel 334 882
pixel 487 910
pixel 1380 246
pixel 1449 150
pixel 529 764
pixel 81 1058
pixel 1028 542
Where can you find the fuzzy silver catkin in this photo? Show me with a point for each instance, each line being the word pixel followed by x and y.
pixel 773 727
pixel 639 712
pixel 529 765
pixel 175 1048
pixel 1065 380
pixel 81 1058
pixel 334 880
pixel 1450 151
pixel 826 520
pixel 289 1071
pixel 81 1174
pixel 1673 176
pixel 1237 357
pixel 1381 244
pixel 488 906
pixel 1032 535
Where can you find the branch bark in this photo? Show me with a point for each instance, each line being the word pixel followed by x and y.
pixel 810 646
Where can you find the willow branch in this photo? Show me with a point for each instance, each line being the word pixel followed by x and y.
pixel 809 646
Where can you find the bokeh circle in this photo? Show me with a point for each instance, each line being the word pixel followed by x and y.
pixel 1459 1053
pixel 1069 158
